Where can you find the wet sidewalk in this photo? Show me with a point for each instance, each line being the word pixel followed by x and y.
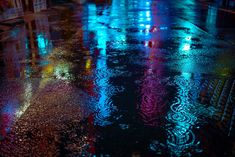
pixel 120 78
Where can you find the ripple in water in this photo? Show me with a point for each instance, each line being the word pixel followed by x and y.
pixel 152 107
pixel 104 90
pixel 183 116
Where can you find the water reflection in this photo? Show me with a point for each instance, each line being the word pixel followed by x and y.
pixel 153 93
pixel 154 30
pixel 43 35
pixel 13 52
pixel 211 19
pixel 7 116
pixel 153 90
pixel 99 31
pixel 17 100
pixel 184 115
pixel 81 70
pixel 180 136
pixel 27 98
pixel 25 47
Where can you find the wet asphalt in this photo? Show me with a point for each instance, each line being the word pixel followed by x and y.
pixel 119 78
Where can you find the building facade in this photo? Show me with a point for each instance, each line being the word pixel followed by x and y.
pixel 10 9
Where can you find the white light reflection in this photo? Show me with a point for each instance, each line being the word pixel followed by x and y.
pixel 186 47
pixel 27 99
pixel 145 18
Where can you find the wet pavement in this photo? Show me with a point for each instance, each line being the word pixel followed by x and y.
pixel 120 78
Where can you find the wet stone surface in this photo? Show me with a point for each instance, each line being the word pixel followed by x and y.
pixel 121 78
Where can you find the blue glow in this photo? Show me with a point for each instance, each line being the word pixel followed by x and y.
pixel 8 110
pixel 41 41
pixel 186 75
pixel 103 105
pixel 141 19
pixel 163 28
pixel 183 117
pixel 44 45
pixel 144 18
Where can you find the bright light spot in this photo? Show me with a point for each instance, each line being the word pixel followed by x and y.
pixel 146 44
pixel 147 13
pixel 186 75
pixel 62 71
pixel 27 96
pixel 163 28
pixel 147 26
pixel 186 47
pixel 42 43
pixel 48 70
pixel 88 64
